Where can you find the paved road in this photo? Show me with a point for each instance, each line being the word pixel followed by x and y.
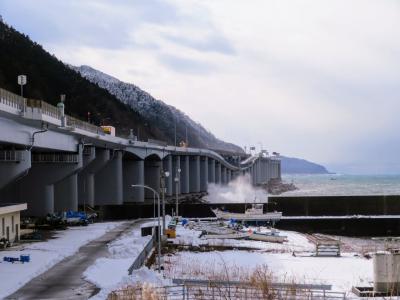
pixel 65 279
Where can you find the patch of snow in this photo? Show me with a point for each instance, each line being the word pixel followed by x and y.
pixel 296 241
pixel 110 273
pixel 341 272
pixel 46 254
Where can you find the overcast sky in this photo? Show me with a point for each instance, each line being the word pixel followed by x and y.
pixel 313 79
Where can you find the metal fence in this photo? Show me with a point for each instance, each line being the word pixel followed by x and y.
pixel 55 158
pixel 139 261
pixel 217 292
pixel 10 156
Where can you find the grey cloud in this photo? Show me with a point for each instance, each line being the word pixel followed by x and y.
pixel 212 43
pixel 185 65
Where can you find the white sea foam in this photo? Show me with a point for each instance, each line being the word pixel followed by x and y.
pixel 238 190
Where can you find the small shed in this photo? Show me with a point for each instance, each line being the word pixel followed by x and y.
pixel 10 220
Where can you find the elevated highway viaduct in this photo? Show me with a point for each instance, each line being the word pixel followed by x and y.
pixel 55 162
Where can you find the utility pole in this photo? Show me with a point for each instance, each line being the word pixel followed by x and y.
pixel 162 190
pixel 177 181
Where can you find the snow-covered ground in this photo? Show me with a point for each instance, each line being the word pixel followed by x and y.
pixel 341 272
pixel 111 272
pixel 291 261
pixel 46 254
pixel 296 241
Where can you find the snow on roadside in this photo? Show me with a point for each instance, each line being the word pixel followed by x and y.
pixel 110 273
pixel 46 254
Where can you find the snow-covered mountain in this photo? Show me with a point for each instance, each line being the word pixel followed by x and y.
pixel 157 113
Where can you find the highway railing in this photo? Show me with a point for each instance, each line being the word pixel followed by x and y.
pixel 11 99
pixel 79 124
pixel 44 107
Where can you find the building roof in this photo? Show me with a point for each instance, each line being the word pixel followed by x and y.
pixel 6 208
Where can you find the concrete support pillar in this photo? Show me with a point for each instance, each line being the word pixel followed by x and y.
pixel 218 171
pixel 167 165
pixel 229 176
pixel 263 171
pixel 211 170
pixel 224 175
pixel 66 194
pixel 37 188
pixel 253 174
pixel 194 178
pixel 152 173
pixel 185 174
pixel 133 173
pixel 12 170
pixel 109 183
pixel 204 174
pixel 176 173
pixel 93 161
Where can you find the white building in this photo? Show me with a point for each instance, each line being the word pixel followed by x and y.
pixel 10 221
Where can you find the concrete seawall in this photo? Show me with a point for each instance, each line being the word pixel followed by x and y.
pixel 336 205
pixel 349 215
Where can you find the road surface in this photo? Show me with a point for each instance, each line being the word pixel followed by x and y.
pixel 65 279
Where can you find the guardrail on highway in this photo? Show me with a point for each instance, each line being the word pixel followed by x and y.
pixel 44 107
pixel 141 258
pixel 76 123
pixel 11 99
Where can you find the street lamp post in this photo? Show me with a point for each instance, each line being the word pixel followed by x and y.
pixel 159 227
pixel 162 188
pixel 177 177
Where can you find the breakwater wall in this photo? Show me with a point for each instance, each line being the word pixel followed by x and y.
pixel 349 215
pixel 336 205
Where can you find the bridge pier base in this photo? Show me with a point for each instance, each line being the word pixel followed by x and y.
pixel 38 187
pixel 66 194
pixel 152 171
pixel 93 162
pixel 185 185
pixel 204 174
pixel 211 170
pixel 218 172
pixel 108 182
pixel 194 178
pixel 133 174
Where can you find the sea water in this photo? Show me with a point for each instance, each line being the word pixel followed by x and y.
pixel 342 185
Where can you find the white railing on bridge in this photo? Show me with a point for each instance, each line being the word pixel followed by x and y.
pixel 79 124
pixel 43 107
pixel 10 156
pixel 55 158
pixel 12 100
